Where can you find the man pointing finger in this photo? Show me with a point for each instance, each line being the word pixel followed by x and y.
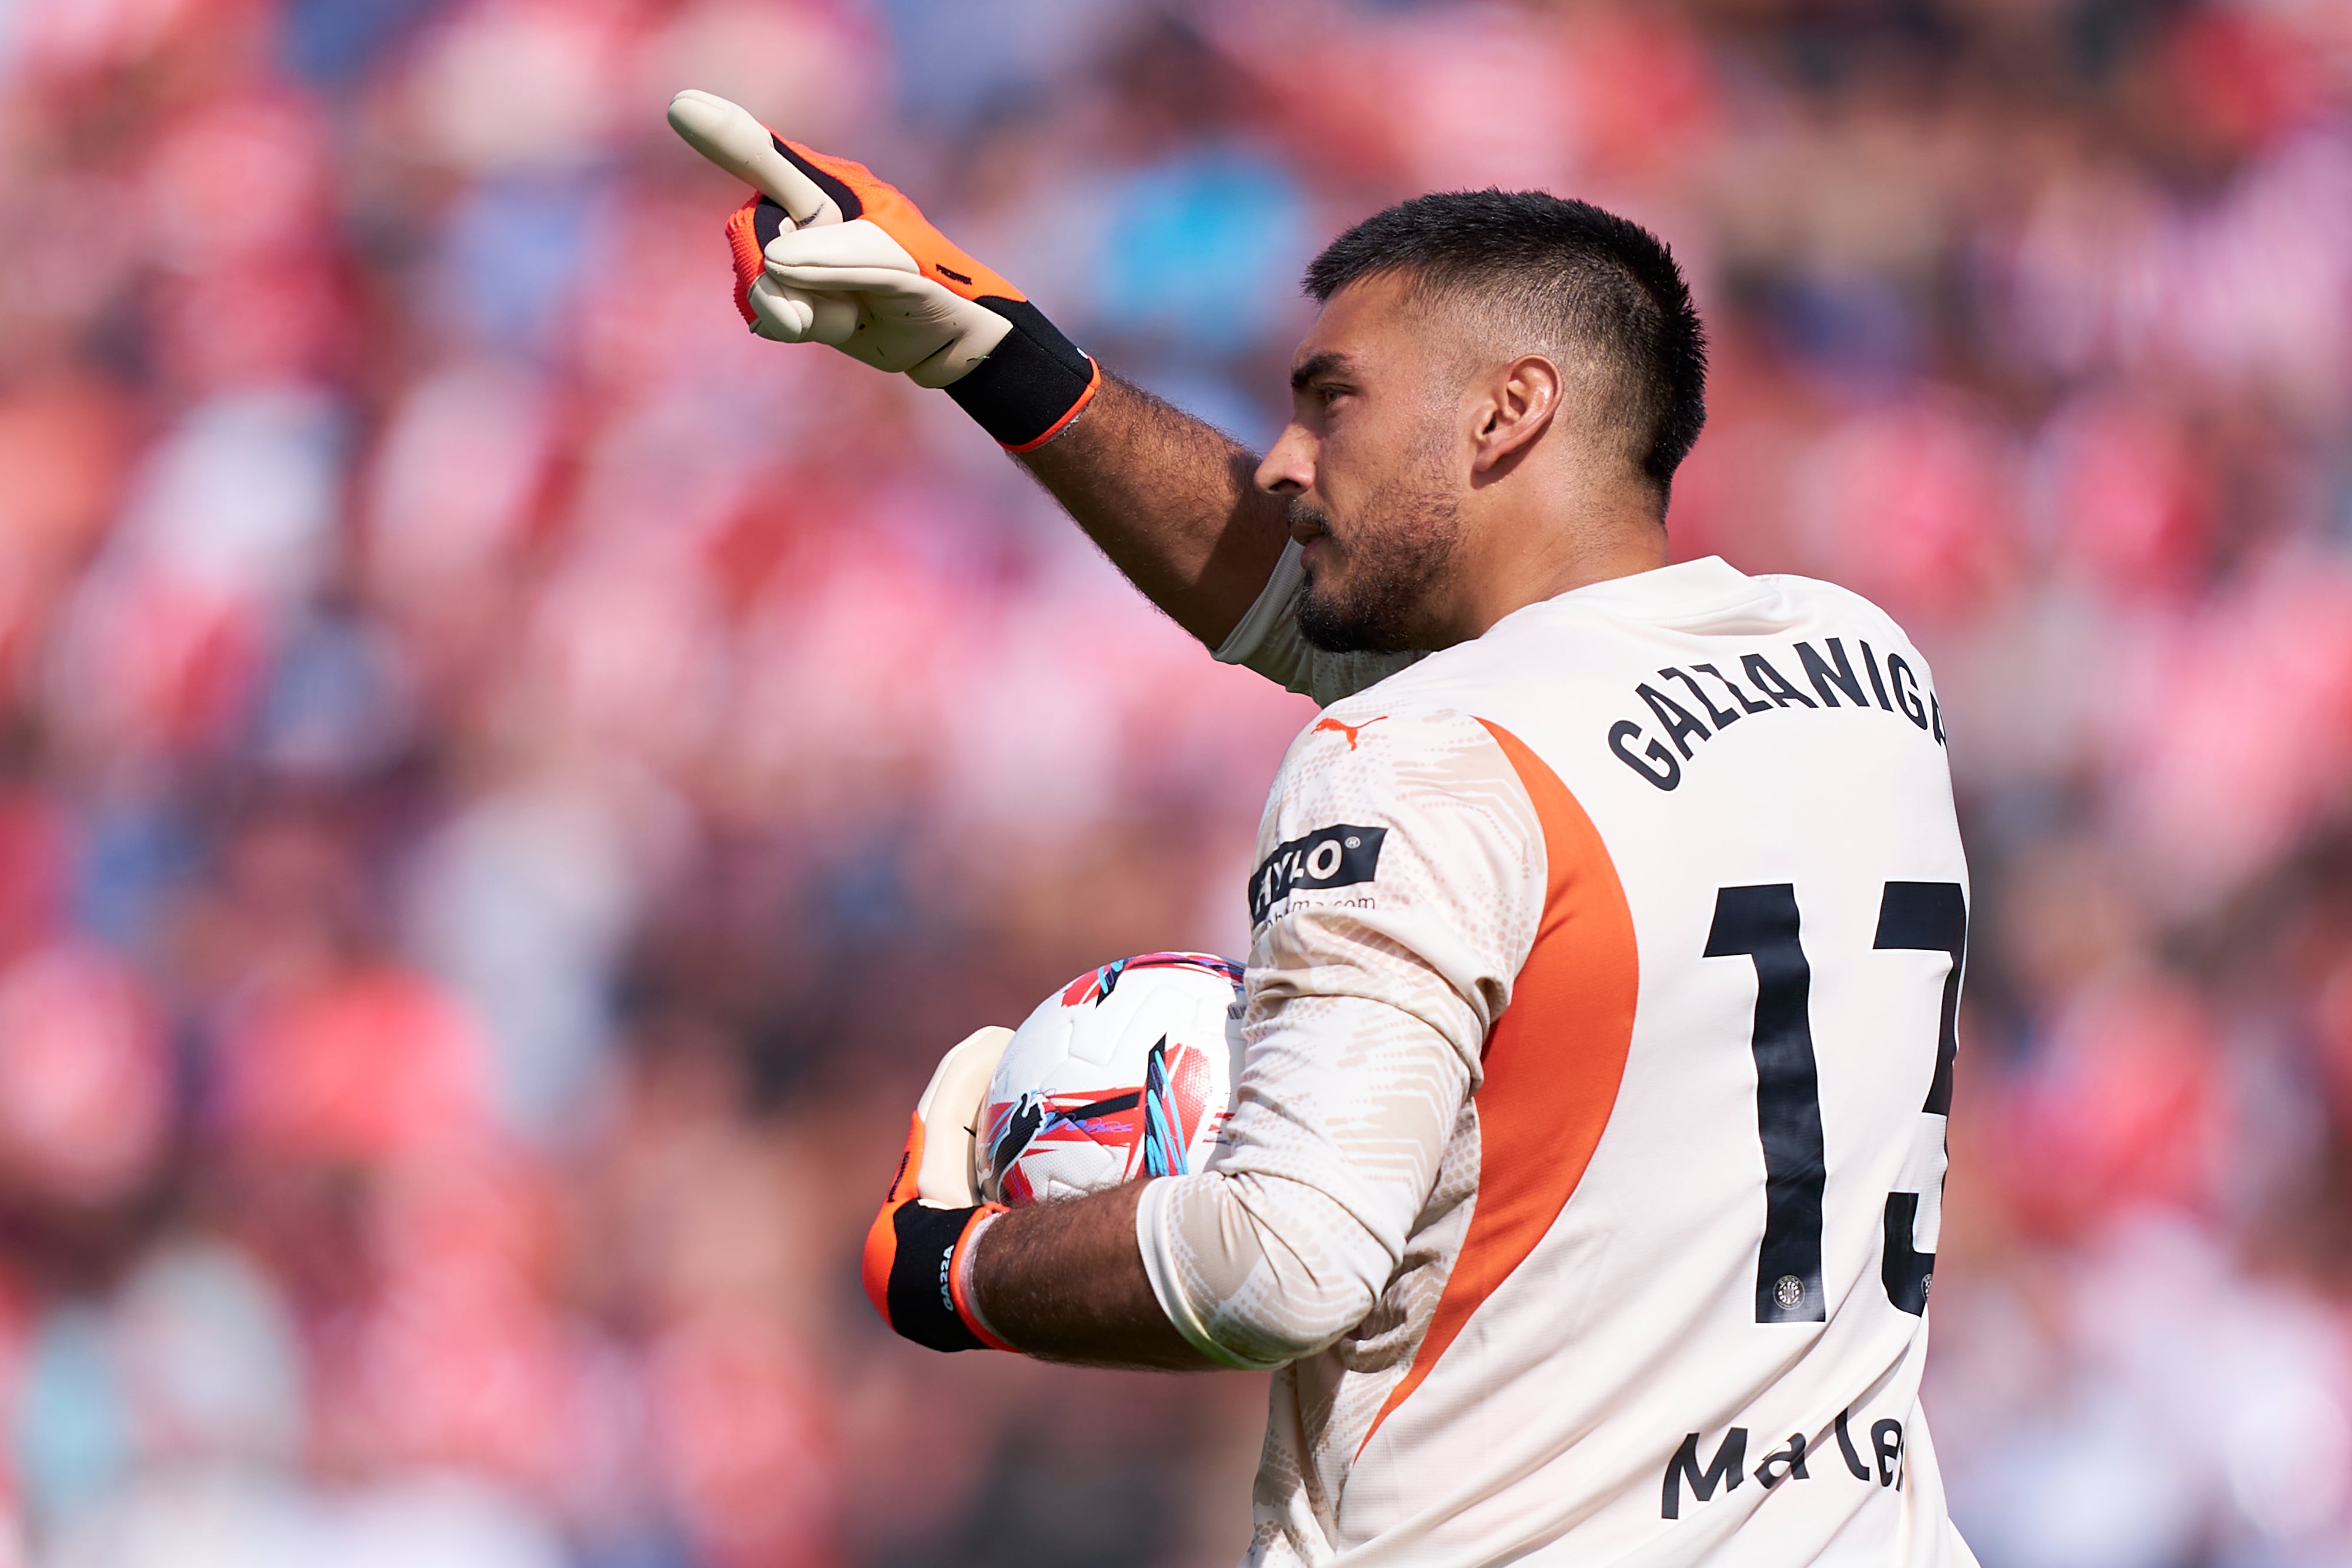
pixel 1585 1177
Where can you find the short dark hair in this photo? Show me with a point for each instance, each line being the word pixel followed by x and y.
pixel 1580 275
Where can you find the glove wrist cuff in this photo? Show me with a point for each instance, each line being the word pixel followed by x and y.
pixel 1031 385
pixel 960 1276
pixel 920 1249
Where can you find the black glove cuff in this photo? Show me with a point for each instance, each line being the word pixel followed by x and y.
pixel 920 1307
pixel 1032 385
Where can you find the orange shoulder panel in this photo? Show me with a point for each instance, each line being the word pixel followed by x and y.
pixel 1553 1061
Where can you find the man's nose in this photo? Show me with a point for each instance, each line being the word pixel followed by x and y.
pixel 1289 466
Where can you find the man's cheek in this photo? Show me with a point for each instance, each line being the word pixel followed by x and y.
pixel 1335 472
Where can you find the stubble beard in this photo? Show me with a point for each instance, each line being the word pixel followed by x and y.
pixel 1398 555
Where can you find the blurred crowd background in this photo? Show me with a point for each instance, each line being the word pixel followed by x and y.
pixel 507 782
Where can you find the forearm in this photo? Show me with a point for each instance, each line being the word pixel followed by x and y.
pixel 1065 1281
pixel 1270 1270
pixel 1171 501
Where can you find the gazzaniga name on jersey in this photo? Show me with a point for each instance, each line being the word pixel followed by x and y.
pixel 1342 855
pixel 1898 690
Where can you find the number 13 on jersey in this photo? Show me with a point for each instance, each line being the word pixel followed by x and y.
pixel 1760 923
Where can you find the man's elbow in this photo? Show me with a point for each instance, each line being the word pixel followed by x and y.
pixel 1274 1280
pixel 1277 1339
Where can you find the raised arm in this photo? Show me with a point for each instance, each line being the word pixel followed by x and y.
pixel 1169 500
pixel 827 253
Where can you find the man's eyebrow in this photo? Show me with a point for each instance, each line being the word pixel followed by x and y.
pixel 1315 366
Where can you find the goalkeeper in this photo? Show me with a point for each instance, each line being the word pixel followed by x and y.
pixel 1564 1162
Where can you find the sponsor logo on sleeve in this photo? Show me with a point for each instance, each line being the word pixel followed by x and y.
pixel 1338 856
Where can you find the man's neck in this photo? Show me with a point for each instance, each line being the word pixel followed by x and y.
pixel 1528 562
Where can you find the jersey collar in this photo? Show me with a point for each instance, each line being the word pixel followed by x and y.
pixel 1687 586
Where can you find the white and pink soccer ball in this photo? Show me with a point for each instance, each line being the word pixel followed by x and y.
pixel 1127 1071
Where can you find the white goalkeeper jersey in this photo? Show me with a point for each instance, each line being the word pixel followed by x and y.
pixel 1584 1180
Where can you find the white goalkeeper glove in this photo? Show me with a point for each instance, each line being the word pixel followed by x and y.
pixel 914 1249
pixel 828 253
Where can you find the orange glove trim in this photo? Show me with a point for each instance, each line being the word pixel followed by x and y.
pixel 1031 385
pixel 911 1260
pixel 882 1237
pixel 956 1274
pixel 1093 385
pixel 743 245
pixel 888 209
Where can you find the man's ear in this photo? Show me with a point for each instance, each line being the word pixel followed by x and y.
pixel 1522 397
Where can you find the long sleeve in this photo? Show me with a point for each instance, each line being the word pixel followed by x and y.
pixel 1400 889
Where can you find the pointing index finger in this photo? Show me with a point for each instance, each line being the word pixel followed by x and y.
pixel 727 134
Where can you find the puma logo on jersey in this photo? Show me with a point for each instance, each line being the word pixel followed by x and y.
pixel 1339 856
pixel 1350 730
